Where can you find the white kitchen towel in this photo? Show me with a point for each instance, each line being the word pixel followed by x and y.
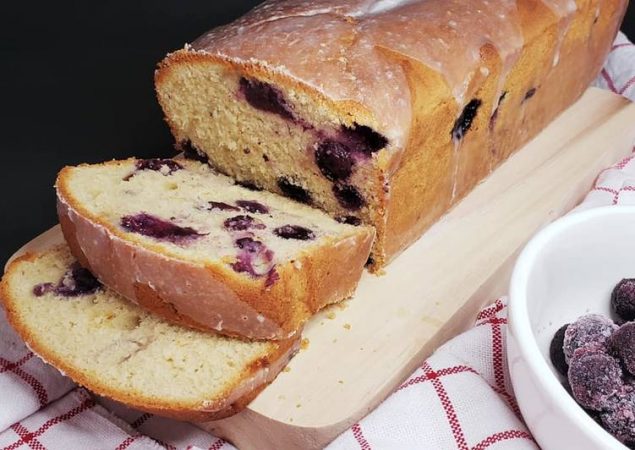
pixel 459 398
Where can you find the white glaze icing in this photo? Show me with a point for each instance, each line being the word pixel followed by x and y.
pixel 340 47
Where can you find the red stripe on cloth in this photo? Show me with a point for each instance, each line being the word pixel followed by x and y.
pixel 502 436
pixel 359 437
pixel 492 310
pixel 609 80
pixel 126 443
pixel 86 404
pixel 628 84
pixel 499 367
pixel 37 387
pixel 217 445
pixel 26 437
pixel 6 365
pixel 448 408
pixel 439 373
pixel 493 321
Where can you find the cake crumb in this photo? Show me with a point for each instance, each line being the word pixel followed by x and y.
pixel 347 326
pixel 304 344
pixel 334 340
pixel 287 369
pixel 330 315
pixel 299 405
pixel 340 381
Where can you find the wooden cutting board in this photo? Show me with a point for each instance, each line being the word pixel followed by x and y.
pixel 360 351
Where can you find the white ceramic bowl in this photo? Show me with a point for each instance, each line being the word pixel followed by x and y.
pixel 567 270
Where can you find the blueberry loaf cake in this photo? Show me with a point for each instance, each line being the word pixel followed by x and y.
pixel 194 247
pixel 118 350
pixel 381 112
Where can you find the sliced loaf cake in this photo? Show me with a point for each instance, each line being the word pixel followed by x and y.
pixel 118 350
pixel 389 111
pixel 194 247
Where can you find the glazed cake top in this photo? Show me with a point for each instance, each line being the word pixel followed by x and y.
pixel 343 47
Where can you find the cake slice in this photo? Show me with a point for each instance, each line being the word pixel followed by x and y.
pixel 117 349
pixel 194 247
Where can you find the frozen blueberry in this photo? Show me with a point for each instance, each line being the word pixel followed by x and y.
pixel 242 222
pixel 361 138
pixel 252 206
pixel 265 97
pixel 592 329
pixel 165 166
pixel 594 377
pixel 334 160
pixel 349 220
pixel 622 344
pixel 623 299
pixel 248 185
pixel 191 152
pixel 464 122
pixel 221 206
pixel 530 93
pixel 348 196
pixel 294 232
pixel 155 227
pixel 618 418
pixel 294 191
pixel 556 352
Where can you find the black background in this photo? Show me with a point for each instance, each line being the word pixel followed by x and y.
pixel 76 86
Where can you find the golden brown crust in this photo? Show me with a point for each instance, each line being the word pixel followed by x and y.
pixel 236 396
pixel 214 297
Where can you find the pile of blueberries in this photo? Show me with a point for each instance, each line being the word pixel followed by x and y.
pixel 597 357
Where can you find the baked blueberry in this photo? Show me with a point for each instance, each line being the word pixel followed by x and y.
pixel 221 206
pixel 348 196
pixel 252 206
pixel 335 160
pixel 191 152
pixel 293 191
pixel 264 97
pixel 556 351
pixel 294 232
pixel 464 122
pixel 350 220
pixel 155 227
pixel 248 185
pixel 623 299
pixel 243 222
pixel 249 245
pixel 361 138
pixel 530 93
pixel 165 166
pixel 75 282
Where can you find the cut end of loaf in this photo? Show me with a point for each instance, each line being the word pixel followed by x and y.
pixel 118 350
pixel 273 133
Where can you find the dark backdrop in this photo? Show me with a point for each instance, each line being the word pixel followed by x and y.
pixel 76 86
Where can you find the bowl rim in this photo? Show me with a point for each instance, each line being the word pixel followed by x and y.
pixel 520 327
